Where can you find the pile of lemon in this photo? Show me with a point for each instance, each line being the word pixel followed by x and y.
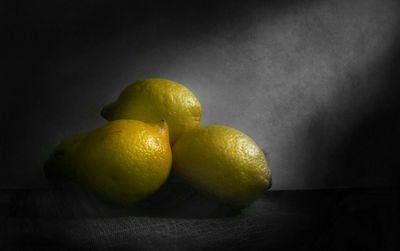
pixel 154 128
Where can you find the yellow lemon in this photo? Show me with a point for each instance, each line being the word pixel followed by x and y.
pixel 223 162
pixel 154 99
pixel 124 161
pixel 60 165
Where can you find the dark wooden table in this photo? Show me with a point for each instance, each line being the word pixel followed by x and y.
pixel 341 219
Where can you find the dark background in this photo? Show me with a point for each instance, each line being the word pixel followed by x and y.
pixel 314 83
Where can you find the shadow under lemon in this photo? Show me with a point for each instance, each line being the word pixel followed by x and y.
pixel 175 199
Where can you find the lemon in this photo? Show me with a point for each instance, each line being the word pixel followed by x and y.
pixel 153 99
pixel 60 165
pixel 124 161
pixel 223 162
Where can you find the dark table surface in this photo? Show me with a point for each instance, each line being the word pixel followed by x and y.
pixel 341 219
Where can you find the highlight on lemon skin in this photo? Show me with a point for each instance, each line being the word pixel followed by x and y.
pixel 222 162
pixel 153 99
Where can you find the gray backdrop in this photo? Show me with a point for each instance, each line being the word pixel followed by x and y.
pixel 314 83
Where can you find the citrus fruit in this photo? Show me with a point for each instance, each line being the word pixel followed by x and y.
pixel 124 161
pixel 154 99
pixel 222 162
pixel 60 165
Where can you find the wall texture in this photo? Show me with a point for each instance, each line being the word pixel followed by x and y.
pixel 313 82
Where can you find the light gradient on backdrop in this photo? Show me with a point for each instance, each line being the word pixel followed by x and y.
pixel 269 74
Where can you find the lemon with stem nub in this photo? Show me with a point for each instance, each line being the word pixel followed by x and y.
pixel 222 162
pixel 124 161
pixel 153 99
